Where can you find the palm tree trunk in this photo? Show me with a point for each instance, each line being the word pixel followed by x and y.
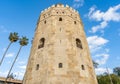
pixel 109 76
pixel 5 53
pixel 13 64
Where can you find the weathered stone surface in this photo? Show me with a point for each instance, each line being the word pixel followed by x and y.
pixel 60 61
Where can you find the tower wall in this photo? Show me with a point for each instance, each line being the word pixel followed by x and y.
pixel 60 53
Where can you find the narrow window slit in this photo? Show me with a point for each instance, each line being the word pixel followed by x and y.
pixel 37 67
pixel 78 43
pixel 45 22
pixel 82 66
pixel 60 65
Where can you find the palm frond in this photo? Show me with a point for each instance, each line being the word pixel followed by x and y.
pixel 23 41
pixel 13 37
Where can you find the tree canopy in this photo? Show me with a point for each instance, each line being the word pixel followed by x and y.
pixel 13 37
pixel 116 71
pixel 104 79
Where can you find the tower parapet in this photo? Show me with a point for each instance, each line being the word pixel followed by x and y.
pixel 60 9
pixel 60 6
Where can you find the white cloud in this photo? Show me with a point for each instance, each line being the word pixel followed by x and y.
pixel 19 74
pixel 96 42
pixel 101 26
pixel 10 55
pixel 95 15
pixel 112 14
pixel 97 46
pixel 21 62
pixel 102 70
pixel 22 67
pixel 102 58
pixel 3 74
pixel 78 3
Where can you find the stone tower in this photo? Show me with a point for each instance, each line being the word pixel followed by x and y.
pixel 60 53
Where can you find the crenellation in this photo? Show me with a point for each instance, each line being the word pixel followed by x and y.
pixel 60 6
pixel 42 11
pixel 74 10
pixel 45 10
pixel 71 9
pixel 77 12
pixel 53 6
pixel 67 6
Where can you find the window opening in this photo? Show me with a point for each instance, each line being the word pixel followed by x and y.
pixel 82 66
pixel 60 19
pixel 41 43
pixel 37 67
pixel 60 65
pixel 74 22
pixel 78 43
pixel 45 22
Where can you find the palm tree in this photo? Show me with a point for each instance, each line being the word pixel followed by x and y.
pixel 95 64
pixel 13 37
pixel 23 42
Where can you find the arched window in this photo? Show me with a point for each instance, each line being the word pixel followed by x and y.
pixel 60 19
pixel 82 66
pixel 41 43
pixel 78 43
pixel 45 22
pixel 37 67
pixel 60 65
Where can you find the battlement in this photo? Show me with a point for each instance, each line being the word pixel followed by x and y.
pixel 60 6
pixel 59 9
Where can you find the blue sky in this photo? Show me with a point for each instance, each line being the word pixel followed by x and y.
pixel 101 19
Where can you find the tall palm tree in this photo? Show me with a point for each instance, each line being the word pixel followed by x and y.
pixel 23 42
pixel 13 37
pixel 95 64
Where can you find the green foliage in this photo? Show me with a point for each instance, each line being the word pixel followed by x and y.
pixel 13 37
pixel 104 79
pixel 116 71
pixel 95 64
pixel 23 41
